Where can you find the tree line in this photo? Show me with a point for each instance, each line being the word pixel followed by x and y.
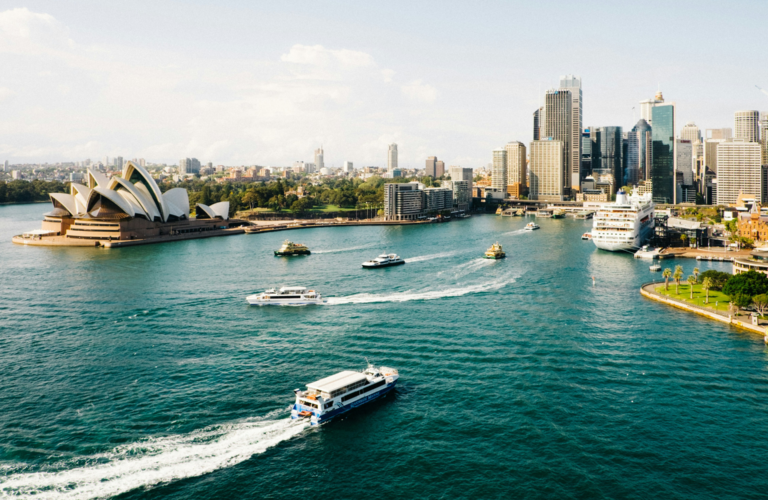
pixel 21 191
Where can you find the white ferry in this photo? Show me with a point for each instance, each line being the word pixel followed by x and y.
pixel 337 394
pixel 286 296
pixel 532 226
pixel 384 260
pixel 624 225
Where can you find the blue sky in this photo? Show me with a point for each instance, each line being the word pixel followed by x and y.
pixel 267 82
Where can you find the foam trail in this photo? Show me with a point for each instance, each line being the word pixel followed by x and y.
pixel 516 231
pixel 154 461
pixel 338 250
pixel 422 258
pixel 467 267
pixel 367 298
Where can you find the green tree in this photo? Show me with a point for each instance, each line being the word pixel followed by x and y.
pixel 667 274
pixel 717 278
pixel 706 284
pixel 696 273
pixel 691 282
pixel 760 302
pixel 683 238
pixel 251 198
pixel 750 284
pixel 678 275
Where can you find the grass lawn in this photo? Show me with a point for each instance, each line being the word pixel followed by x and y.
pixel 715 297
pixel 318 208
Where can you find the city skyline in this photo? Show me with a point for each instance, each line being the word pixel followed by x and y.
pixel 218 92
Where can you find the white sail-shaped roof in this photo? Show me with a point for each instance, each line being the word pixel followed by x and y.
pixel 112 196
pixel 67 201
pixel 96 179
pixel 145 201
pixel 138 175
pixel 81 194
pixel 220 209
pixel 179 198
pixel 131 200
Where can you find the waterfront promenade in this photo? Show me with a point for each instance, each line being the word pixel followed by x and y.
pixel 648 290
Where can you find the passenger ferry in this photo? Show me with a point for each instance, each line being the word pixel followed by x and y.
pixel 287 296
pixel 495 252
pixel 291 248
pixel 337 394
pixel 624 225
pixel 384 260
pixel 532 226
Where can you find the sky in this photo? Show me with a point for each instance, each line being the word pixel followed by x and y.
pixel 265 83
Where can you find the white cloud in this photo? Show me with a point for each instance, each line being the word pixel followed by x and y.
pixel 418 91
pixel 318 55
pixel 5 93
pixel 25 32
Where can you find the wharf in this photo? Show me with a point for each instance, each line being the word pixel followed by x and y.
pixel 703 254
pixel 63 241
pixel 739 320
pixel 307 224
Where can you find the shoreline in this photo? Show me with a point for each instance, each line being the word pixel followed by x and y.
pixel 647 291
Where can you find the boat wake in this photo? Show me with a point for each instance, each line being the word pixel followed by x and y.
pixel 466 268
pixel 339 250
pixel 151 462
pixel 429 294
pixel 422 258
pixel 516 231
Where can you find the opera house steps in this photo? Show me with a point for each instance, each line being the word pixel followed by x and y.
pixel 127 210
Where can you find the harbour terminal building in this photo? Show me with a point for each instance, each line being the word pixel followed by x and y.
pixel 412 201
pixel 125 209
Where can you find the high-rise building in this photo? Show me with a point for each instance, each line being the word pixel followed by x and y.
pixel 516 169
pixel 537 121
pixel 319 162
pixel 403 201
pixel 691 133
pixel 438 199
pixel 738 171
pixel 608 152
pixel 663 153
pixel 348 167
pixel 558 107
pixel 499 169
pixel 462 192
pixel 431 166
pixel 637 152
pixel 546 171
pixel 461 174
pixel 586 152
pixel 5 166
pixel 747 126
pixel 392 157
pixel 763 137
pixel 710 153
pixel 119 163
pixel 646 107
pixel 684 161
pixel 439 168
pixel 719 133
pixel 573 84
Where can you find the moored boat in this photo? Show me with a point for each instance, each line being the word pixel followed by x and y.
pixel 332 396
pixel 558 214
pixel 495 252
pixel 384 260
pixel 286 296
pixel 291 248
pixel 627 224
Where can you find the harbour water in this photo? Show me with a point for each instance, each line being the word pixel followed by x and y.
pixel 142 372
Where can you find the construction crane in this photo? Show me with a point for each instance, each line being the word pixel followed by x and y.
pixel 763 91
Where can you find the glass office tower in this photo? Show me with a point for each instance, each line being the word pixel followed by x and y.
pixel 663 153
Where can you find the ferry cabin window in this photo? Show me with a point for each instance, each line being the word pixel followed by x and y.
pixel 328 405
pixel 309 403
pixel 362 391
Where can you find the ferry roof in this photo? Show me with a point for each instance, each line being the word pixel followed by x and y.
pixel 334 382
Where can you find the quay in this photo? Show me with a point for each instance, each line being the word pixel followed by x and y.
pixel 255 228
pixel 648 291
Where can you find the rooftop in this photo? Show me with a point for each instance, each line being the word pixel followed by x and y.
pixel 334 382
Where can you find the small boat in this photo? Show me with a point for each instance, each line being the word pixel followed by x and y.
pixel 558 214
pixel 532 226
pixel 586 236
pixel 495 252
pixel 337 394
pixel 655 267
pixel 286 296
pixel 291 248
pixel 384 260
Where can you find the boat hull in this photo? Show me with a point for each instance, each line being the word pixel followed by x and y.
pixel 288 254
pixel 495 257
pixel 254 301
pixel 388 264
pixel 327 417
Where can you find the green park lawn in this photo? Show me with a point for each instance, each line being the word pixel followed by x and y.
pixel 317 208
pixel 715 297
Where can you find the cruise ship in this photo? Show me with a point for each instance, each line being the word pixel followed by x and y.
pixel 625 225
pixel 337 394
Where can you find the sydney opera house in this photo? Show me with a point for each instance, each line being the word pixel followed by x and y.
pixel 126 209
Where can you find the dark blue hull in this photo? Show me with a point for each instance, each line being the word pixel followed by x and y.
pixel 326 417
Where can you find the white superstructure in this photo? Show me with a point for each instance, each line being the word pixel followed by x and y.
pixel 384 260
pixel 286 296
pixel 337 394
pixel 625 224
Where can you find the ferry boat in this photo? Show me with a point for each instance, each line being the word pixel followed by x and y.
pixel 495 252
pixel 291 248
pixel 384 260
pixel 286 296
pixel 532 226
pixel 337 394
pixel 624 225
pixel 558 214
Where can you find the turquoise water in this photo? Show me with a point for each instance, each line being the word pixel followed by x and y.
pixel 143 372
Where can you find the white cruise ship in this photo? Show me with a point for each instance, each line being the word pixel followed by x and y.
pixel 625 225
pixel 337 394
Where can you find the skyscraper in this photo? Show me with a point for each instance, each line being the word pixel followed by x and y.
pixel 516 168
pixel 691 133
pixel 608 153
pixel 558 107
pixel 119 163
pixel 499 171
pixel 586 152
pixel 537 121
pixel 719 133
pixel 319 163
pixel 439 168
pixel 646 107
pixel 738 171
pixel 573 84
pixel 763 136
pixel 547 172
pixel 684 161
pixel 747 126
pixel 392 157
pixel 637 152
pixel 431 166
pixel 663 153
pixel 348 167
pixel 461 174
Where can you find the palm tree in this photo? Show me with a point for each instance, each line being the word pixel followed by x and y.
pixel 691 282
pixel 667 274
pixel 706 285
pixel 696 273
pixel 678 275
